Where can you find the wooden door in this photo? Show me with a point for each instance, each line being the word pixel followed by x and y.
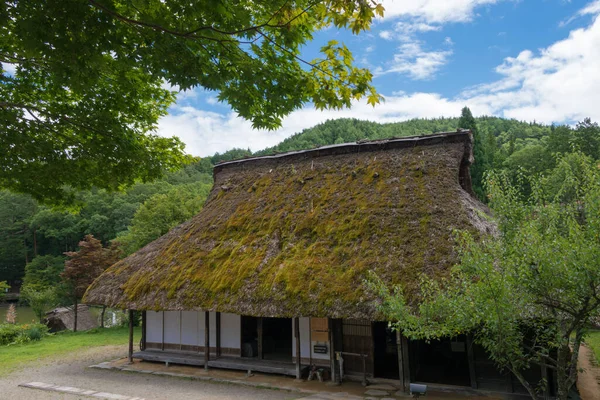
pixel 357 338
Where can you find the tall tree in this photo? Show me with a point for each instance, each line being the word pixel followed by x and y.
pixel 43 272
pixel 17 244
pixel 466 121
pixel 529 294
pixel 162 212
pixel 85 265
pixel 89 121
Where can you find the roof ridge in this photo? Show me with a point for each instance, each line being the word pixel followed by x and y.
pixel 358 146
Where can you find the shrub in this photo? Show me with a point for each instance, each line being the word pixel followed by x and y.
pixel 16 334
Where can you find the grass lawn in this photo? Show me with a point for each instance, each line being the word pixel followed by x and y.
pixel 593 340
pixel 17 356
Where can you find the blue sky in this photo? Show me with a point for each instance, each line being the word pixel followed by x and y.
pixel 530 60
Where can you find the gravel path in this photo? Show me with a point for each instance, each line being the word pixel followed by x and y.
pixel 70 370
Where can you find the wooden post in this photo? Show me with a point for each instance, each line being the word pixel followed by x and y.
pixel 206 339
pixel 406 364
pixel 400 359
pixel 144 327
pixel 259 328
pixel 331 350
pixel 180 330
pixel 298 355
pixel 162 336
pixel 218 322
pixel 130 353
pixel 310 349
pixel 544 371
pixel 471 360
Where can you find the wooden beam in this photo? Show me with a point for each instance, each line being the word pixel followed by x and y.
pixel 162 336
pixel 310 349
pixel 544 372
pixel 130 353
pixel 259 328
pixel 180 329
pixel 144 327
pixel 471 360
pixel 218 322
pixel 405 364
pixel 332 350
pixel 400 359
pixel 298 355
pixel 206 339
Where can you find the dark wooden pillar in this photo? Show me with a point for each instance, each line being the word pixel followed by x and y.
pixel 544 372
pixel 471 360
pixel 218 322
pixel 206 339
pixel 332 350
pixel 259 328
pixel 405 363
pixel 144 327
pixel 400 360
pixel 298 355
pixel 130 353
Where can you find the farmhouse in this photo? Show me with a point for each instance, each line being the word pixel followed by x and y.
pixel 270 275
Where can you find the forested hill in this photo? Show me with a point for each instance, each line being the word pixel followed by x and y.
pixel 345 130
pixel 350 130
pixel 37 235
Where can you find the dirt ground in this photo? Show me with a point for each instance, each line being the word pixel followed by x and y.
pixel 588 381
pixel 72 371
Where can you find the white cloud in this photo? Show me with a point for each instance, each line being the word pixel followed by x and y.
pixel 592 8
pixel 434 11
pixel 387 35
pixel 10 69
pixel 557 84
pixel 207 132
pixel 417 63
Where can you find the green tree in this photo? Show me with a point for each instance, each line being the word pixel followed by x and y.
pixel 16 237
pixel 162 212
pixel 466 121
pixel 529 294
pixel 4 286
pixel 43 272
pixel 41 301
pixel 85 265
pixel 586 138
pixel 89 122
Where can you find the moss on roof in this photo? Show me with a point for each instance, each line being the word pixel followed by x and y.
pixel 296 235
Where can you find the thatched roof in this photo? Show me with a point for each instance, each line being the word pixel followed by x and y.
pixel 295 234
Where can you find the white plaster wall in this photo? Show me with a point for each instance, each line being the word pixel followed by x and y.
pixel 172 328
pixel 154 326
pixel 189 328
pixel 192 328
pixel 231 326
pixel 305 347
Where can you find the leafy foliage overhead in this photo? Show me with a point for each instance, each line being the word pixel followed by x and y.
pixel 89 81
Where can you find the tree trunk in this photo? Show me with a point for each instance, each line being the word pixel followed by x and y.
pixel 524 382
pixel 75 316
pixel 562 372
pixel 566 369
pixel 102 316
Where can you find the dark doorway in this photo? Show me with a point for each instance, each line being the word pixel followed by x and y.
pixel 277 339
pixel 249 336
pixel 385 351
pixel 442 361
